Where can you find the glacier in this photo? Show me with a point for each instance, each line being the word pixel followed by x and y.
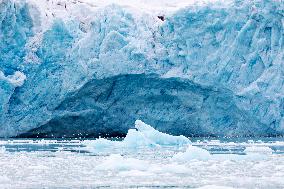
pixel 77 68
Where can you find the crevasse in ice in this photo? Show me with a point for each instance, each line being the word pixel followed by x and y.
pixel 208 69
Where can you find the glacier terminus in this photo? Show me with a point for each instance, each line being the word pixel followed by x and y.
pixel 91 68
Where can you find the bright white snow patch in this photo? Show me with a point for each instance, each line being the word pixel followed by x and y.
pixel 17 79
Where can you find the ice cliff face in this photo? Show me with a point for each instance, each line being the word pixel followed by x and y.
pixel 73 67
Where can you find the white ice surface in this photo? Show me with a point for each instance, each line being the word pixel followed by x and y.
pixel 142 135
pixel 145 136
pixel 17 79
pixel 154 159
pixel 46 168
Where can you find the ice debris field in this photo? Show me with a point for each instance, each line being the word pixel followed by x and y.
pixel 197 68
pixel 145 158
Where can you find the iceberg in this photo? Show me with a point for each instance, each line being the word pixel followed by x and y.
pixel 76 69
pixel 144 136
pixel 157 137
pixel 141 136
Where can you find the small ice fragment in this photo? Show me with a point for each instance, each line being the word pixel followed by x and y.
pixel 116 162
pixel 193 153
pixel 2 150
pixel 214 187
pixel 99 144
pixel 196 153
pixel 258 150
pixel 237 157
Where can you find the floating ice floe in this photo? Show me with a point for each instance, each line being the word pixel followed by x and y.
pixel 142 135
pixel 155 137
pixel 214 187
pixel 192 153
pixel 2 149
pixel 117 162
pixel 145 136
pixel 196 153
pixel 258 149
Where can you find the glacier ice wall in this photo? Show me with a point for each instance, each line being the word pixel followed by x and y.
pixel 240 48
pixel 213 69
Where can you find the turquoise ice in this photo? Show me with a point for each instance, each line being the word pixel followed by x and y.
pixel 208 70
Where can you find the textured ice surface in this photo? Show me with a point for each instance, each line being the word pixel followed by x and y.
pixel 147 137
pixel 225 163
pixel 196 153
pixel 70 68
pixel 66 164
pixel 141 136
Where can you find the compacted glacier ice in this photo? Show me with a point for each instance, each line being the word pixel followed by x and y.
pixel 87 68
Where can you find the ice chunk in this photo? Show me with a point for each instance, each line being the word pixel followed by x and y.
pixel 142 136
pixel 258 150
pixel 118 163
pixel 17 79
pixel 192 153
pixel 158 137
pixel 99 144
pixel 196 153
pixel 2 149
